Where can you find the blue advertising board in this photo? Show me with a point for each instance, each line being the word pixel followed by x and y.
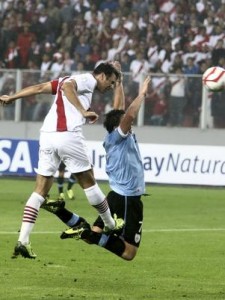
pixel 18 157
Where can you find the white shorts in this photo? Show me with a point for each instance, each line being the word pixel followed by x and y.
pixel 68 147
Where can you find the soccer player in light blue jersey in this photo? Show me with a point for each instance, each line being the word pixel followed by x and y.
pixel 126 178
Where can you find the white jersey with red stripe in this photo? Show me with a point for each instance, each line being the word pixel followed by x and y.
pixel 63 115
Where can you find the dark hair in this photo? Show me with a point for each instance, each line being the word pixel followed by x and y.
pixel 107 69
pixel 112 119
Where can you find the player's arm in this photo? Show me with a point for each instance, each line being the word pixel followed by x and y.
pixel 70 91
pixel 42 88
pixel 119 98
pixel 134 107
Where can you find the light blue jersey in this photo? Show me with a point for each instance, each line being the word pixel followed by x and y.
pixel 123 164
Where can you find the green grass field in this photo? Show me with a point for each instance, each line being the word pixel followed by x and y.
pixel 181 256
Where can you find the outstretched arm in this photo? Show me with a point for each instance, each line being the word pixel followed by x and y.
pixel 134 107
pixel 43 88
pixel 118 99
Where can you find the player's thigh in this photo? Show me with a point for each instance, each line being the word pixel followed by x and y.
pixel 134 221
pixel 49 160
pixel 74 153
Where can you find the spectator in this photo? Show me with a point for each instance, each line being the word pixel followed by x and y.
pixel 139 67
pixel 156 102
pixel 218 109
pixel 82 47
pixel 105 34
pixel 34 53
pixel 111 5
pixel 177 100
pixel 81 7
pixel 68 62
pixel 153 54
pixel 88 63
pixel 95 53
pixel 57 68
pixel 47 48
pixel 45 65
pixel 64 40
pixel 53 10
pixel 80 67
pixel 158 112
pixel 8 88
pixel 93 17
pixel 218 52
pixel 66 12
pixel 24 41
pixel 191 67
pixel 37 28
pixel 102 59
pixel 9 32
pixel 216 35
pixel 164 60
pixel 48 25
pixel 125 62
pixel 76 61
pixel 114 50
pixel 11 56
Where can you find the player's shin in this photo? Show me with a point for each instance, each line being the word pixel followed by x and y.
pixel 29 216
pixel 98 200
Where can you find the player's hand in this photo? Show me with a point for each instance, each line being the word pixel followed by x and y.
pixel 116 64
pixel 5 99
pixel 145 85
pixel 91 115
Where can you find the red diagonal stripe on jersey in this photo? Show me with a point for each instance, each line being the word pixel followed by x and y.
pixel 61 116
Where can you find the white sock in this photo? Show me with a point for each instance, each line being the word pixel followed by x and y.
pixel 98 200
pixel 30 214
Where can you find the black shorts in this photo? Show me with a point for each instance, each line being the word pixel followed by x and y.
pixel 130 208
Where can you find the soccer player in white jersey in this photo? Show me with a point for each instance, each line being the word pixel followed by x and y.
pixel 61 139
pixel 126 178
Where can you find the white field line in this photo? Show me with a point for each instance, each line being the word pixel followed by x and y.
pixel 144 230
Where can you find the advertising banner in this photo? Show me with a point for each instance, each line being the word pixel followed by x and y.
pixel 168 164
pixel 18 157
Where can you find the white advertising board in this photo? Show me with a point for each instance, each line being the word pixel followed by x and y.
pixel 172 164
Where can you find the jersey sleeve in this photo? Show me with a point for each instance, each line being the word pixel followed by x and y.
pixel 124 135
pixel 54 84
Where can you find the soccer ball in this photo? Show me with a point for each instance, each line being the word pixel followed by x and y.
pixel 214 79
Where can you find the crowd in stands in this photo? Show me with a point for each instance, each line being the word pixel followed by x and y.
pixel 158 36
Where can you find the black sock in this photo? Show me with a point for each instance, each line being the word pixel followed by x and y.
pixel 64 215
pixel 113 243
pixel 70 184
pixel 60 181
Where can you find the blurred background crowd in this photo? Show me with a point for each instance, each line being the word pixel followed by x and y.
pixel 162 37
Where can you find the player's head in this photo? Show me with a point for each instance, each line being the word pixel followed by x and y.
pixel 112 119
pixel 106 76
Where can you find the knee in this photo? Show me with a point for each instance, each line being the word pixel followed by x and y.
pixel 129 253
